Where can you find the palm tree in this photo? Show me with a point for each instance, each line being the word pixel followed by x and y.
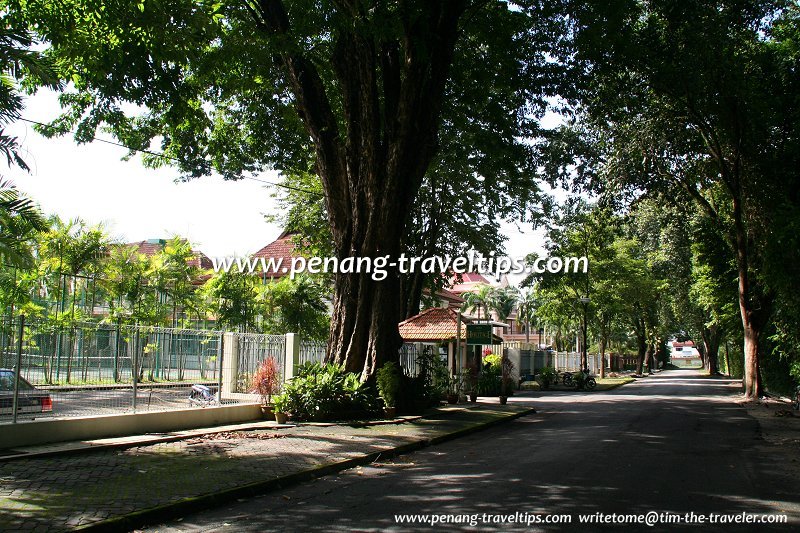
pixel 526 311
pixel 502 301
pixel 478 300
pixel 20 221
pixel 74 252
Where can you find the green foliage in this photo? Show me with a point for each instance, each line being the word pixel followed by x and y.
pixel 388 381
pixel 295 305
pixel 18 60
pixel 20 221
pixel 490 381
pixel 281 403
pixel 698 100
pixel 547 375
pixel 493 359
pixel 233 299
pixel 326 392
pixel 242 301
pixel 432 376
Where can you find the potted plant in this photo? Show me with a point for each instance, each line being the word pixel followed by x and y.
pixel 469 377
pixel 388 387
pixel 547 377
pixel 281 406
pixel 266 382
pixel 453 389
pixel 506 380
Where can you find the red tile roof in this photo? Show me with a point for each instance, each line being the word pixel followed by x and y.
pixel 451 297
pixel 153 246
pixel 282 248
pixel 433 324
pixel 468 282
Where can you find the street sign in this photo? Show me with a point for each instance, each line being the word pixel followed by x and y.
pixel 479 334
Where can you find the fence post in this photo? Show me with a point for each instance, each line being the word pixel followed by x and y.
pixel 135 362
pixel 292 361
pixel 220 359
pixel 230 363
pixel 17 368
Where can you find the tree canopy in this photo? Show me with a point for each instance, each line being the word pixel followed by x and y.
pixel 366 95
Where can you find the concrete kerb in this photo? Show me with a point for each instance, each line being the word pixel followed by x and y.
pixel 74 448
pixel 172 510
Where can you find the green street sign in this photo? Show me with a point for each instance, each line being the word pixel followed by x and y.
pixel 479 334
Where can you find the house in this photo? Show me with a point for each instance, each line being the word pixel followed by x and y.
pixel 437 328
pixel 684 354
pixel 444 298
pixel 469 282
pixel 151 247
pixel 278 252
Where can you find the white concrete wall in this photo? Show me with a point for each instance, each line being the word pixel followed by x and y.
pixel 97 427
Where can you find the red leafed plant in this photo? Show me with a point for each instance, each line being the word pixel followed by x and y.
pixel 266 380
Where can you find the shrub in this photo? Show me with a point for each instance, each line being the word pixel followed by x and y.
pixel 266 380
pixel 507 380
pixel 389 384
pixel 490 381
pixel 547 375
pixel 434 376
pixel 327 392
pixel 492 360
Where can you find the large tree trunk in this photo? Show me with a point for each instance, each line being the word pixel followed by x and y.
pixel 752 369
pixel 750 323
pixel 642 350
pixel 584 347
pixel 373 155
pixel 727 359
pixel 711 337
pixel 602 356
pixel 650 357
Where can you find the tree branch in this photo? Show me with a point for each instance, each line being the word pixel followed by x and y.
pixel 315 110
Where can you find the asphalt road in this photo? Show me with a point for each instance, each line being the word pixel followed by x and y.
pixel 672 443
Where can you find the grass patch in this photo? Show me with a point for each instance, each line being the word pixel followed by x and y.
pixel 612 383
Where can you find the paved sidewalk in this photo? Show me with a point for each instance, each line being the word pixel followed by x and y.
pixel 122 487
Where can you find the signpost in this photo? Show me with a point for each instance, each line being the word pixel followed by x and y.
pixel 479 334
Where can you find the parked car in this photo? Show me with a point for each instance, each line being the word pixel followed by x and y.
pixel 29 400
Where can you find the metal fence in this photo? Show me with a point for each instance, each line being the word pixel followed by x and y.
pixel 408 359
pixel 251 349
pixel 312 351
pixel 571 361
pixel 91 369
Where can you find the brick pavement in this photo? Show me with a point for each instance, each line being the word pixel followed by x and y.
pixel 64 492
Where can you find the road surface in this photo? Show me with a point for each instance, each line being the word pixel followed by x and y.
pixel 672 443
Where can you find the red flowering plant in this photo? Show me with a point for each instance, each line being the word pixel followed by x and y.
pixel 266 380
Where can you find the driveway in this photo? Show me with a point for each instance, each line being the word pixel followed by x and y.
pixel 673 443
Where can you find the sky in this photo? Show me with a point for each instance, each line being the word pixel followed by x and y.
pixel 134 203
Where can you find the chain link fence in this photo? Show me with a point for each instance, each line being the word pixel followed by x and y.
pixel 82 369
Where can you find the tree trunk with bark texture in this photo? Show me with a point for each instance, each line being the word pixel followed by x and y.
pixel 602 356
pixel 651 352
pixel 750 322
pixel 711 337
pixel 372 152
pixel 641 342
